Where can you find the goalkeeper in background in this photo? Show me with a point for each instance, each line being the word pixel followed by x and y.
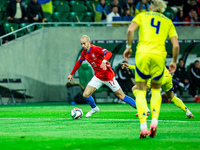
pixel 167 86
pixel 150 58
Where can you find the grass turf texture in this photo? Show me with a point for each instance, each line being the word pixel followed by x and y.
pixel 42 127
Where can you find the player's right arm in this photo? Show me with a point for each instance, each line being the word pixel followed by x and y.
pixel 129 39
pixel 70 78
pixel 130 35
pixel 76 67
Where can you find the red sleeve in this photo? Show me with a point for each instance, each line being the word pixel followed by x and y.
pixel 101 51
pixel 82 57
pixel 76 66
pixel 107 56
pixel 78 63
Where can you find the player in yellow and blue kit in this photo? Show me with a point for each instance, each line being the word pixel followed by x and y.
pixel 167 86
pixel 154 28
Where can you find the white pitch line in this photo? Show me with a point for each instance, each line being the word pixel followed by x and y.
pixel 96 119
pixel 138 120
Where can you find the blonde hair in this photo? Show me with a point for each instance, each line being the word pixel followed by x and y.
pixel 158 5
pixel 85 36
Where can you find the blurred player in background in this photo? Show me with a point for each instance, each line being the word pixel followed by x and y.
pixel 125 77
pixel 154 28
pixel 98 58
pixel 167 86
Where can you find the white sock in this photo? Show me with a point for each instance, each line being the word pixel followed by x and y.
pixel 154 120
pixel 188 113
pixel 143 126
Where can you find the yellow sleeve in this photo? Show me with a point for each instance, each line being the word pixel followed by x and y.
pixel 132 67
pixel 172 32
pixel 137 19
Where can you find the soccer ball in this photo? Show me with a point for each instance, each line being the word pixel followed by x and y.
pixel 76 113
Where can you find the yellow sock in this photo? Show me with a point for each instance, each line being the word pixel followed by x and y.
pixel 141 104
pixel 155 103
pixel 178 102
pixel 135 93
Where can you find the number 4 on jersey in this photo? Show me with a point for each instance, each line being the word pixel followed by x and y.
pixel 157 26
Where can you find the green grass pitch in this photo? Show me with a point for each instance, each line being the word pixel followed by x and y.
pixel 39 127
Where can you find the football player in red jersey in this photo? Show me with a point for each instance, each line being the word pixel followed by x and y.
pixel 103 74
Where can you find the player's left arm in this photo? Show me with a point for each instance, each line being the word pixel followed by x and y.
pixel 107 56
pixel 175 52
pixel 132 67
pixel 127 66
pixel 175 48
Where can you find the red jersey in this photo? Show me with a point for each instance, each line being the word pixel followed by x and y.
pixel 95 56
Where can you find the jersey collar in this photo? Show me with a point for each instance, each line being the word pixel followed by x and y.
pixel 88 50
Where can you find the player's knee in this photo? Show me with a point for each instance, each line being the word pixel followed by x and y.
pixel 155 85
pixel 86 95
pixel 170 95
pixel 141 85
pixel 134 87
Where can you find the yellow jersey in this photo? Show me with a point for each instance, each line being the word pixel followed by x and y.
pixel 154 28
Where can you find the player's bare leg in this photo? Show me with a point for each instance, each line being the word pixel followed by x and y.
pixel 119 93
pixel 179 103
pixel 89 90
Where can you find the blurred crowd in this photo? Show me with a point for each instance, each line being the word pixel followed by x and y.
pixel 29 11
pixel 178 10
pixel 17 12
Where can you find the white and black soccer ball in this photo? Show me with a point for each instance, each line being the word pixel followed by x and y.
pixel 76 113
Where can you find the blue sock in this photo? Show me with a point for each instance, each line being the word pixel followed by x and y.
pixel 90 101
pixel 130 101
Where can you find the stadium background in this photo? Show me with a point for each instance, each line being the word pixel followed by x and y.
pixel 44 58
